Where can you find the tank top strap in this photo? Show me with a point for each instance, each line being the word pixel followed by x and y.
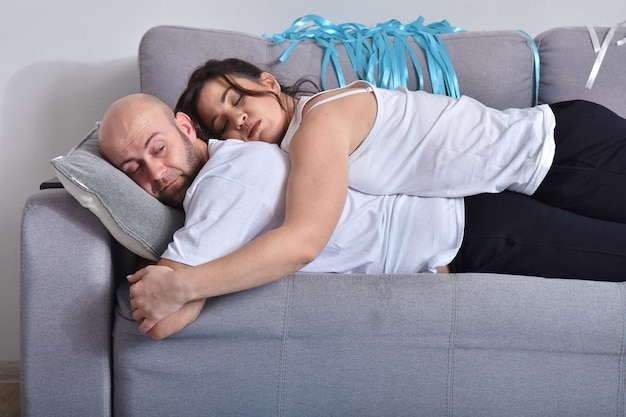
pixel 365 89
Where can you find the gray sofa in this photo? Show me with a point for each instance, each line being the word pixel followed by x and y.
pixel 324 344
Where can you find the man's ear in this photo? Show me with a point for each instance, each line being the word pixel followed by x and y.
pixel 185 123
pixel 270 81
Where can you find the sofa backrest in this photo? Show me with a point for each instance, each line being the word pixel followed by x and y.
pixel 495 67
pixel 567 59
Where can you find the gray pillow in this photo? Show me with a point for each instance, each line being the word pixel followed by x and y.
pixel 138 221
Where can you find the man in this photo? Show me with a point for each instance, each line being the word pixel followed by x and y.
pixel 236 231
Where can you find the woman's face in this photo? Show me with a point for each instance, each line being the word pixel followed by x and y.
pixel 228 114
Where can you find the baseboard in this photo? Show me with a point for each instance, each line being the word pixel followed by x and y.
pixel 10 372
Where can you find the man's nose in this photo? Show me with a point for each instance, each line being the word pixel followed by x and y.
pixel 156 169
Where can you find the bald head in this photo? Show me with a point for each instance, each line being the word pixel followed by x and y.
pixel 157 149
pixel 123 114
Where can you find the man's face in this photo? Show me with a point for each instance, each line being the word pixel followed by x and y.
pixel 156 154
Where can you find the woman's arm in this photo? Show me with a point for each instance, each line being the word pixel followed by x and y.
pixel 316 194
pixel 158 291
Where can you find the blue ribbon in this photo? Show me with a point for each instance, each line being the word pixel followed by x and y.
pixel 537 66
pixel 378 54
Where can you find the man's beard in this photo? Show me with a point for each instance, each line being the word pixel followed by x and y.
pixel 193 164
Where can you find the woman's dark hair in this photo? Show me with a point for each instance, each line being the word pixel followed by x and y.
pixel 226 69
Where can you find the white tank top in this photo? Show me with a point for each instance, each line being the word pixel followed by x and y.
pixel 435 146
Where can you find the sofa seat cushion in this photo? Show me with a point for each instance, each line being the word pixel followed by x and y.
pixel 384 345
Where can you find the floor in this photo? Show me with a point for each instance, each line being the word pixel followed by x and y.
pixel 9 399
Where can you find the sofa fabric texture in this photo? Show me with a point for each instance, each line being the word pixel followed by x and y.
pixel 567 59
pixel 327 344
pixel 394 345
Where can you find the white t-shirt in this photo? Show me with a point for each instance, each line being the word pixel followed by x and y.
pixel 240 194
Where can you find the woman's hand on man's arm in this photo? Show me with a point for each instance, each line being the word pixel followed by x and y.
pixel 156 294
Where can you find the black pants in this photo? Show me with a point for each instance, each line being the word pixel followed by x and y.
pixel 574 226
pixel 516 234
pixel 588 175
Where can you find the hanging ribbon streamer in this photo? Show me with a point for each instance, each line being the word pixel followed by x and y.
pixel 537 66
pixel 379 54
pixel 601 50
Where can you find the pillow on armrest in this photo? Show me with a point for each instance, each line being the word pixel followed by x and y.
pixel 138 221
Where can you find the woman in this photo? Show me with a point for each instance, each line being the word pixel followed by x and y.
pixel 418 143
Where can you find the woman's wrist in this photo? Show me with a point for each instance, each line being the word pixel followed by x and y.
pixel 183 285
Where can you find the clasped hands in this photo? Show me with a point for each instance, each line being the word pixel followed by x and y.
pixel 158 303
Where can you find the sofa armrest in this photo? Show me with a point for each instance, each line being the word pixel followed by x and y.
pixel 67 295
pixel 51 183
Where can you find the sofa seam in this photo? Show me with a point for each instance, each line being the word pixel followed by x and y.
pixel 451 347
pixel 268 51
pixel 621 382
pixel 282 360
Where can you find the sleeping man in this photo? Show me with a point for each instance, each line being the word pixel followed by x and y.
pixel 234 196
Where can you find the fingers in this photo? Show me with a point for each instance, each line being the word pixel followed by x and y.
pixel 145 324
pixel 147 308
pixel 137 276
pixel 134 291
pixel 139 313
pixel 178 320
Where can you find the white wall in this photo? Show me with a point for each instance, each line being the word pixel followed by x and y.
pixel 63 62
